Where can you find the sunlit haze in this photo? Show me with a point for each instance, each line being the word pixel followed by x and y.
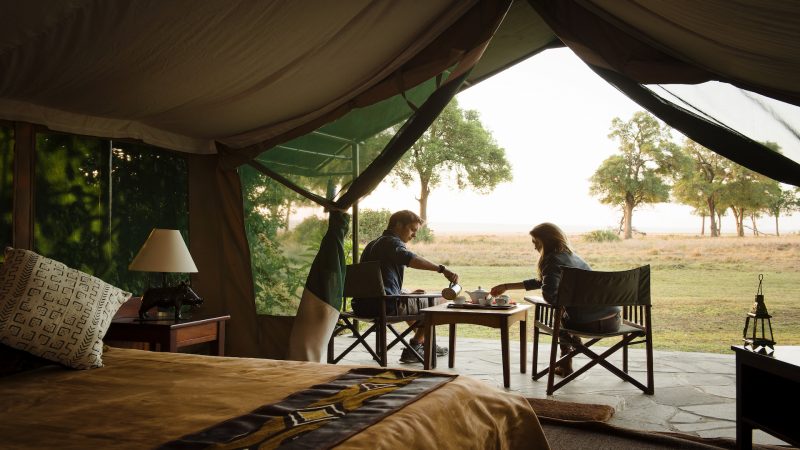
pixel 552 115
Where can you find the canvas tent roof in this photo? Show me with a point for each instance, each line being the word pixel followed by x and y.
pixel 187 75
pixel 198 77
pixel 226 81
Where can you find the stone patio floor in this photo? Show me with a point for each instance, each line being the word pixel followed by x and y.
pixel 695 393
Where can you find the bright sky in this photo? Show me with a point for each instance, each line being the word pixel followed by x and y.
pixel 552 115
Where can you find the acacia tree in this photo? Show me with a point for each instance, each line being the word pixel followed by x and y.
pixel 782 201
pixel 745 194
pixel 748 194
pixel 456 145
pixel 701 181
pixel 638 175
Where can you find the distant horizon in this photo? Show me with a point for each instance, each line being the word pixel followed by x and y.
pixel 788 225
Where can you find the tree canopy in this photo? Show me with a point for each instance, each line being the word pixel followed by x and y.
pixel 638 175
pixel 455 146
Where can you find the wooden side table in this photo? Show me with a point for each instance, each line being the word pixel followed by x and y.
pixel 495 318
pixel 766 393
pixel 167 335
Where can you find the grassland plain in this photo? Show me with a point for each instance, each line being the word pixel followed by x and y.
pixel 702 287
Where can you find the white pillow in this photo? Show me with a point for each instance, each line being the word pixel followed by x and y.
pixel 53 311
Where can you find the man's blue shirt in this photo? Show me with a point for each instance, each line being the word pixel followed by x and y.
pixel 393 255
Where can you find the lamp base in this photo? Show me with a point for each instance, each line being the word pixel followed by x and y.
pixel 169 297
pixel 760 346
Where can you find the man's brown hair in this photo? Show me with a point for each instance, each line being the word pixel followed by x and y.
pixel 404 217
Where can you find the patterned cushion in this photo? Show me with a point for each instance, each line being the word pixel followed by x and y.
pixel 53 311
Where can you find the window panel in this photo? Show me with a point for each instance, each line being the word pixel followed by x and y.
pixel 97 200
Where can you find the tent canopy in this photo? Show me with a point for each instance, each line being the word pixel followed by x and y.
pixel 198 77
pixel 293 83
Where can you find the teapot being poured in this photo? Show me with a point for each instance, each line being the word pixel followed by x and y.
pixel 478 295
pixel 450 293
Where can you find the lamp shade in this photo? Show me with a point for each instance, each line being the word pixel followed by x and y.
pixel 163 251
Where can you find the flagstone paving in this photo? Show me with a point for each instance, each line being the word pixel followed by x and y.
pixel 695 393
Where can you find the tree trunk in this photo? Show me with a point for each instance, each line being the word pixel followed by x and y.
pixel 755 226
pixel 777 231
pixel 719 223
pixel 703 226
pixel 628 220
pixel 424 193
pixel 712 213
pixel 288 214
pixel 738 217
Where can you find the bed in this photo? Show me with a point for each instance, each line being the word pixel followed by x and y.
pixel 142 399
pixel 62 387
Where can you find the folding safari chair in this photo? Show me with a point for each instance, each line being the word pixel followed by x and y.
pixel 364 281
pixel 629 289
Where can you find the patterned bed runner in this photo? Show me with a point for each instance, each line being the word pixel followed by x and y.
pixel 321 416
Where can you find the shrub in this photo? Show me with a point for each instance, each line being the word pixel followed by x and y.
pixel 424 234
pixel 371 223
pixel 310 231
pixel 606 235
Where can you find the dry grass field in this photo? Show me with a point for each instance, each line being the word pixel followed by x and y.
pixel 702 288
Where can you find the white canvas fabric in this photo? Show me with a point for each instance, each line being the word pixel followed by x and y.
pixel 312 329
pixel 182 74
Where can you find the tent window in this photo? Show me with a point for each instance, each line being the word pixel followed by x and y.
pixel 96 201
pixel 6 183
pixel 279 258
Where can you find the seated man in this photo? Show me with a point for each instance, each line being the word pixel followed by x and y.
pixel 390 250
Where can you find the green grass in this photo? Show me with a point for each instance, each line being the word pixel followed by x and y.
pixel 701 289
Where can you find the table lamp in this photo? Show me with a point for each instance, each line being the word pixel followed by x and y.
pixel 164 251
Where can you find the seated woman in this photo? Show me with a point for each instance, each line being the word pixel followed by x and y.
pixel 554 251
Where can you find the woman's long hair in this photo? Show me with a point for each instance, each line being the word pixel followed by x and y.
pixel 553 241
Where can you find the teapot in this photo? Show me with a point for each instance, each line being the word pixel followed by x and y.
pixel 478 295
pixel 450 293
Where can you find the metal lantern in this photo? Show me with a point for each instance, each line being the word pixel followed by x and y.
pixel 756 325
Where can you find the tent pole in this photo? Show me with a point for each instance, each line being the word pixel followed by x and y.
pixel 355 164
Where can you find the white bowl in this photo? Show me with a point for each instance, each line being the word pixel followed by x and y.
pixel 502 300
pixel 460 300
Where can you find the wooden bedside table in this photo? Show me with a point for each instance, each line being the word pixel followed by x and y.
pixel 166 335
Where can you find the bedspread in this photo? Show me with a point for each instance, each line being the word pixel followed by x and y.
pixel 143 399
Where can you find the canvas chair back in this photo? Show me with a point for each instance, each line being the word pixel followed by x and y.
pixel 578 288
pixel 364 280
pixel 587 287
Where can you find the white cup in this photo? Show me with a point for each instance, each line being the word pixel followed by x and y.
pixel 460 300
pixel 502 300
pixel 486 301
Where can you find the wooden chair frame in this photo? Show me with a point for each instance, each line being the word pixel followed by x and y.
pixel 361 282
pixel 635 329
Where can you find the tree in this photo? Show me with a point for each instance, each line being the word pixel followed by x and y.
pixel 638 175
pixel 455 145
pixel 701 181
pixel 782 201
pixel 748 193
pixel 745 194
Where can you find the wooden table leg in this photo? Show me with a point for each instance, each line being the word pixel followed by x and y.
pixel 534 364
pixel 744 436
pixel 523 346
pixel 452 355
pixel 172 346
pixel 221 338
pixel 434 356
pixel 504 348
pixel 429 348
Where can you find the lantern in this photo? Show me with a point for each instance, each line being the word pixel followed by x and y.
pixel 756 325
